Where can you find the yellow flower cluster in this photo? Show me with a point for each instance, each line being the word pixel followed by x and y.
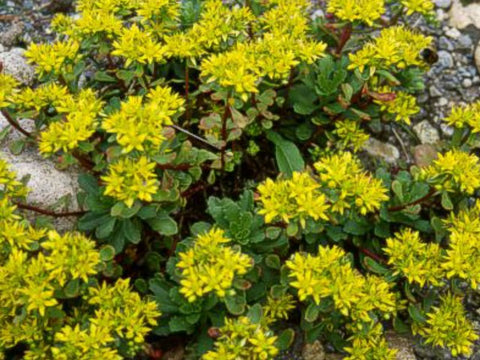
pixel 217 24
pixel 120 313
pixel 57 57
pixel 453 171
pixel 463 116
pixel 139 46
pixel 419 262
pixel 139 123
pixel 210 266
pixel 366 11
pixel 10 187
pixel 130 179
pixel 396 46
pixel 348 185
pixel 241 339
pixel 424 7
pixel 447 326
pixel 297 199
pixel 283 45
pixel 278 307
pixel 463 253
pixel 50 94
pixel 350 135
pixel 80 123
pixel 38 270
pixel 7 87
pixel 369 344
pixel 329 274
pixel 403 106
pixel 155 10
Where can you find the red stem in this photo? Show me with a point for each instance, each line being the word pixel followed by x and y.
pixel 48 212
pixel 12 122
pixel 346 34
pixel 404 206
pixel 224 131
pixel 373 255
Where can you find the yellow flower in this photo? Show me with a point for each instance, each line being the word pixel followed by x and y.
pixel 366 11
pixel 130 179
pixel 419 262
pixel 8 86
pixel 53 57
pixel 403 106
pixel 241 339
pixel 278 307
pixel 453 171
pixel 350 134
pixel 139 124
pixel 353 187
pixel 463 116
pixel 296 199
pixel 421 6
pixel 209 266
pixel 448 327
pixel 139 46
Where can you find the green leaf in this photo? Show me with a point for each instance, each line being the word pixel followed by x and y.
pixel 255 313
pixel 312 312
pixel 416 314
pixel 235 304
pixel 285 339
pixel 89 184
pixel 102 76
pixel 289 158
pixel 132 229
pixel 374 266
pixel 120 209
pixel 16 147
pixel 91 220
pixel 72 288
pixel 273 261
pixel 163 224
pixel 107 253
pixel 104 230
pixel 179 323
pixel 446 201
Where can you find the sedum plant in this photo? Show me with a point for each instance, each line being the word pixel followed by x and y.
pixel 226 205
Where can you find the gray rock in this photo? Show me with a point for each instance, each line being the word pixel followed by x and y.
pixel 445 59
pixel 314 351
pixel 465 42
pixel 318 14
pixel 424 154
pixel 403 345
pixel 48 184
pixel 445 44
pixel 446 130
pixel 426 132
pixel 442 101
pixel 422 99
pixel 378 149
pixel 15 64
pixel 453 33
pixel 443 4
pixel 434 91
pixel 477 57
pixel 462 16
pixel 10 36
pixel 466 83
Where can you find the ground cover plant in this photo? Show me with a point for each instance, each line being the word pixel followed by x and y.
pixel 227 206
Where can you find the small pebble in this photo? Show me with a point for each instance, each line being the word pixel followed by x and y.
pixel 453 33
pixel 466 83
pixel 443 4
pixel 442 101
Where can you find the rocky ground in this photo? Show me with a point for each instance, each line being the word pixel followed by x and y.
pixel 454 79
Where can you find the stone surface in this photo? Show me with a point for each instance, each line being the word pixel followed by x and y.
pixel 443 4
pixel 10 36
pixel 424 155
pixel 15 64
pixel 48 184
pixel 314 351
pixel 426 132
pixel 462 16
pixel 477 57
pixel 445 59
pixel 380 150
pixel 403 345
